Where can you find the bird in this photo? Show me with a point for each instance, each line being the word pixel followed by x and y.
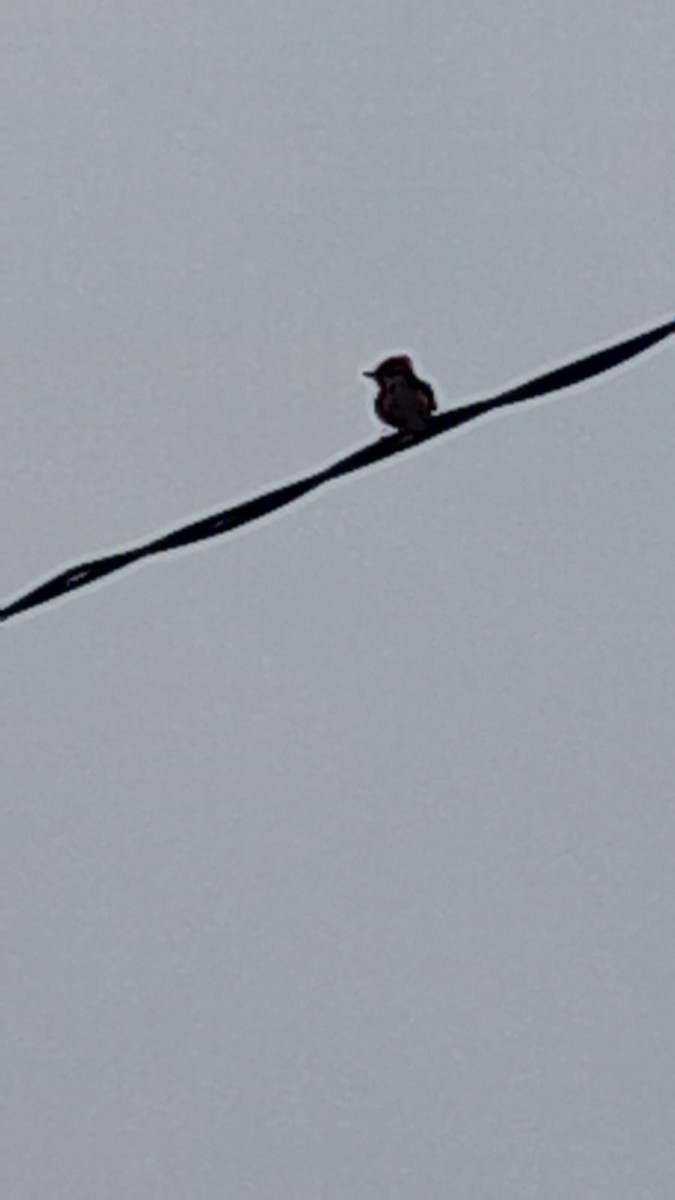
pixel 403 401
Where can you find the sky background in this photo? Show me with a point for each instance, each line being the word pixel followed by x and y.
pixel 337 855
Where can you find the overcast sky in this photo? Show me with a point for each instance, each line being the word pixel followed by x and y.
pixel 338 854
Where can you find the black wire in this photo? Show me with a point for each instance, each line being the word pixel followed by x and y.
pixel 261 506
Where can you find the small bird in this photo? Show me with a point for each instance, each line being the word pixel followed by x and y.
pixel 403 400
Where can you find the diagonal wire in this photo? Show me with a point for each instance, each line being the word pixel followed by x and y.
pixel 260 506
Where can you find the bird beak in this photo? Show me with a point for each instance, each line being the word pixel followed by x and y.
pixel 369 374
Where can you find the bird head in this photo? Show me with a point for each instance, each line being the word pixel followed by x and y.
pixel 399 364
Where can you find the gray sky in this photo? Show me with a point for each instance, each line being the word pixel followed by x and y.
pixel 338 855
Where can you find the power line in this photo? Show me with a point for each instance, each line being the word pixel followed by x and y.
pixel 260 506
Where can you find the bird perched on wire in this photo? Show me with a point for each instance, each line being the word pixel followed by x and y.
pixel 403 401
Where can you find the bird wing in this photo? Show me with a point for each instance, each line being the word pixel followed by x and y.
pixel 428 393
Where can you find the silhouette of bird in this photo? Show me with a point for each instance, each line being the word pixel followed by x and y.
pixel 403 401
